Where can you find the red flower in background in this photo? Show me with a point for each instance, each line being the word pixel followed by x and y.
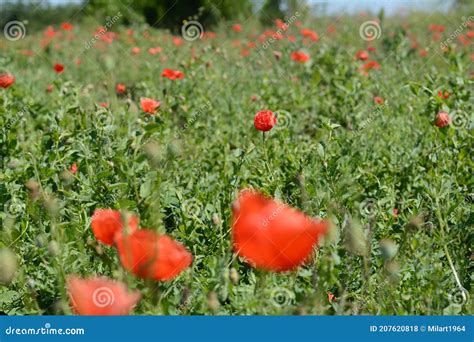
pixel 444 95
pixel 152 256
pixel 6 80
pixel 104 105
pixel 309 34
pixel 423 52
pixel 73 169
pixel 172 74
pixel 149 105
pixel 120 88
pixel 237 27
pixel 49 88
pixel 378 100
pixel 442 119
pixel 272 235
pixel 154 51
pixel 59 68
pixel 299 56
pixel 136 50
pixel 177 41
pixel 244 52
pixel 67 26
pixel 370 65
pixel 106 223
pixel 362 55
pixel 264 120
pixel 100 296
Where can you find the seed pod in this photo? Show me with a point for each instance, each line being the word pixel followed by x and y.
pixel 389 249
pixel 355 239
pixel 234 276
pixel 213 301
pixel 8 265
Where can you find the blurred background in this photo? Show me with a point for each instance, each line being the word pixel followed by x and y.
pixel 169 14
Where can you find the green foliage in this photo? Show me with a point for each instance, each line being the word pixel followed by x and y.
pixel 334 154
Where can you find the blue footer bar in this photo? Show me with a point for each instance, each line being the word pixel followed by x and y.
pixel 237 328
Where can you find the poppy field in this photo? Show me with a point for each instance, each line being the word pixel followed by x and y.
pixel 316 166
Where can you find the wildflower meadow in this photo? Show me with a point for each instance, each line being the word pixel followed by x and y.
pixel 304 164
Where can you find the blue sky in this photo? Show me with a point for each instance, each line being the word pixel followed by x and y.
pixel 354 6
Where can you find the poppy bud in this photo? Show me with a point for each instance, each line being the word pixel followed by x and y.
pixel 8 265
pixel 216 219
pixel 355 239
pixel 213 301
pixel 33 188
pixel 388 248
pixel 53 248
pixel 234 276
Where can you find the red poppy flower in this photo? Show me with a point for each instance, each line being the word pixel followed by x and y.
pixel 299 56
pixel 59 68
pixel 444 95
pixel 272 235
pixel 172 74
pixel 423 52
pixel 309 34
pixel 100 296
pixel 149 105
pixel 106 223
pixel 73 169
pixel 264 120
pixel 49 88
pixel 237 27
pixel 177 41
pixel 371 49
pixel 378 100
pixel 331 297
pixel 370 65
pixel 6 80
pixel 67 26
pixel 136 50
pixel 442 119
pixel 154 51
pixel 152 256
pixel 470 34
pixel 120 88
pixel 244 52
pixel 104 105
pixel 362 55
